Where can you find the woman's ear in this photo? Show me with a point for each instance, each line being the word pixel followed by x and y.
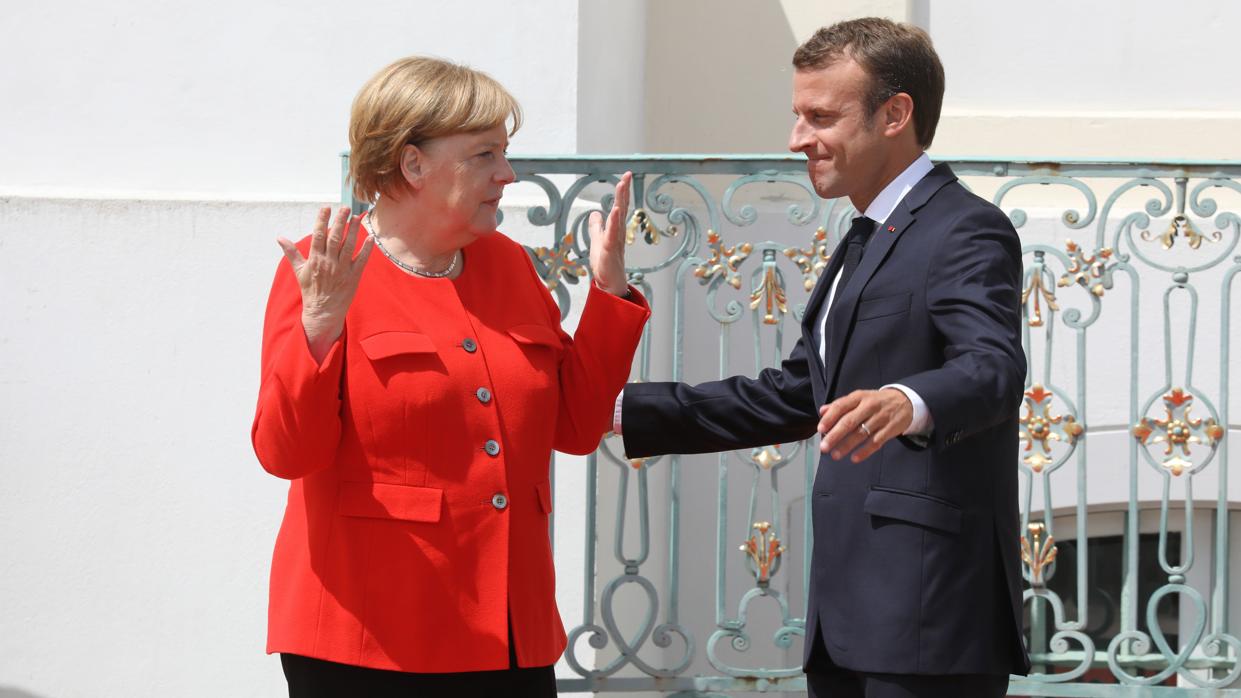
pixel 412 160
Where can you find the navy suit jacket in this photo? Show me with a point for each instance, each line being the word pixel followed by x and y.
pixel 915 567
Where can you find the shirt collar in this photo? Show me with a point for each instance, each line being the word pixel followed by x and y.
pixel 886 202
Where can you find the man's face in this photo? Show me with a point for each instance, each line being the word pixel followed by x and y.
pixel 844 144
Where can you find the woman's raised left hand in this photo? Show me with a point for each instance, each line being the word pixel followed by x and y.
pixel 607 243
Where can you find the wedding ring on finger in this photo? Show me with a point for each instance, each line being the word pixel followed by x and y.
pixel 865 429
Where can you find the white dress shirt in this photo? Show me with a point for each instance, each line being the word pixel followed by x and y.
pixel 879 211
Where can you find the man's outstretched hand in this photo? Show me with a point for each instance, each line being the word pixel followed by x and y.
pixel 862 421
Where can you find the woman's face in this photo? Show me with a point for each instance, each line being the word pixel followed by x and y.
pixel 463 177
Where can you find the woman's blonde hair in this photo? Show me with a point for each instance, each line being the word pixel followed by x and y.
pixel 411 101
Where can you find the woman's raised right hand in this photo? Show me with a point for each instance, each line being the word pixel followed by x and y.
pixel 328 276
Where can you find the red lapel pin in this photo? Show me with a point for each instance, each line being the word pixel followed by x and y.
pixel 891 229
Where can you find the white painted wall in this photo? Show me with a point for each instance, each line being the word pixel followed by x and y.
pixel 1144 55
pixel 1058 79
pixel 1143 79
pixel 246 100
pixel 150 153
pixel 611 94
pixel 136 525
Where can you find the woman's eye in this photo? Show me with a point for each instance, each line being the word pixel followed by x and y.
pixel 486 154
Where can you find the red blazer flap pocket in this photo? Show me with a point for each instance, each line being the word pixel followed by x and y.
pixel 544 491
pixel 380 501
pixel 386 344
pixel 535 334
pixel 913 507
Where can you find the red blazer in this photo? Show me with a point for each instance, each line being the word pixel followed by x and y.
pixel 417 519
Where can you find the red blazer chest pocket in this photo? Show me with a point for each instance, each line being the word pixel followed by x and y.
pixel 541 348
pixel 375 500
pixel 535 336
pixel 388 344
pixel 396 352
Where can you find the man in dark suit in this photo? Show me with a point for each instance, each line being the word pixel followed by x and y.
pixel 910 365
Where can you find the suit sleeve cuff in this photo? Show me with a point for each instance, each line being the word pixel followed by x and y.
pixel 922 424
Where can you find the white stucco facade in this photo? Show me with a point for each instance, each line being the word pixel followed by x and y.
pixel 150 153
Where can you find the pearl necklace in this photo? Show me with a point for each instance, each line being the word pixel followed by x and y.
pixel 370 226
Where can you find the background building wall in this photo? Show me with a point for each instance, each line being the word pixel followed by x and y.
pixel 1141 80
pixel 151 152
pixel 1058 79
pixel 246 100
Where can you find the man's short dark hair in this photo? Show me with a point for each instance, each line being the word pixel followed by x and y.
pixel 898 58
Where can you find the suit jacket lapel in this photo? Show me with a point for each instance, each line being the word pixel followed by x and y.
pixel 840 320
pixel 814 306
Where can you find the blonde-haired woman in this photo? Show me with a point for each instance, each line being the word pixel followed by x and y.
pixel 413 399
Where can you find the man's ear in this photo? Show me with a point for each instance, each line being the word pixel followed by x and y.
pixel 897 114
pixel 412 161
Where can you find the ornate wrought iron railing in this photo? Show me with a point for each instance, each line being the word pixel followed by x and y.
pixel 1134 263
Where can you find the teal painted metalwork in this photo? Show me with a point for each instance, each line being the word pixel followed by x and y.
pixel 1113 424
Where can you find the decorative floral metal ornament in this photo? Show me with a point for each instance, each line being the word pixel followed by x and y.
pixel 767 457
pixel 764 551
pixel 811 261
pixel 724 261
pixel 1088 271
pixel 1038 552
pixel 641 222
pixel 1038 424
pixel 556 264
pixel 1181 226
pixel 1039 292
pixel 773 292
pixel 1178 430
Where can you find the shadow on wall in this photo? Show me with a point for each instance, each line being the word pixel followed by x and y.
pixel 10 692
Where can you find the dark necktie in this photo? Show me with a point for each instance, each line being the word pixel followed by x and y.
pixel 855 243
